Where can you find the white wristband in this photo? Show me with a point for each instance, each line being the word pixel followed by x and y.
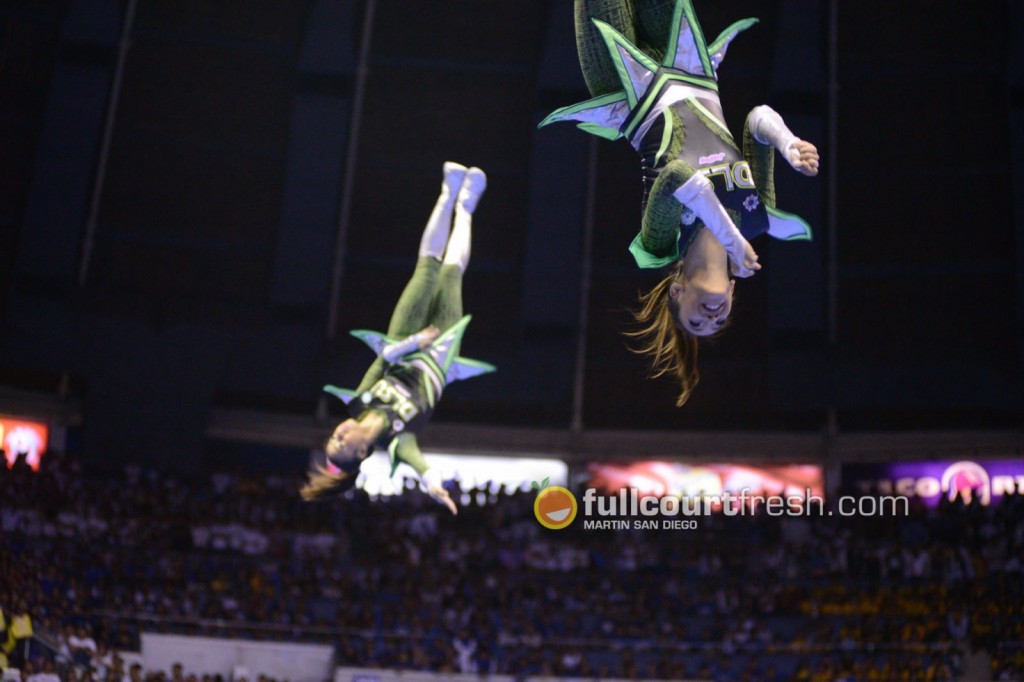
pixel 395 351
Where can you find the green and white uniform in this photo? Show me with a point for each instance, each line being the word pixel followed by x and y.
pixel 655 83
pixel 407 390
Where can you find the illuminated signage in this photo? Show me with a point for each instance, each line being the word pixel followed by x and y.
pixel 985 480
pixel 471 471
pixel 20 437
pixel 663 478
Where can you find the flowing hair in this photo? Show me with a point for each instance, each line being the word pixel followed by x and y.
pixel 322 484
pixel 325 479
pixel 671 350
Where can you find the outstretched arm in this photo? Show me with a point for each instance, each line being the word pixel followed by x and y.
pixel 394 352
pixel 408 451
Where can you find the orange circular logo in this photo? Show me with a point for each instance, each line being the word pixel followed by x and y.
pixel 555 507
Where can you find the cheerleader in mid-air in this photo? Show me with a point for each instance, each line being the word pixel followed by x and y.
pixel 654 81
pixel 417 358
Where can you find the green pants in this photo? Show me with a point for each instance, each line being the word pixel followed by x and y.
pixel 643 22
pixel 432 296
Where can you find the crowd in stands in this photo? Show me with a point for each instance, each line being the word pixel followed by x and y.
pixel 399 583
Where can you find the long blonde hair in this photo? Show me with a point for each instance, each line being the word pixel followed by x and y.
pixel 672 351
pixel 321 483
pixel 326 479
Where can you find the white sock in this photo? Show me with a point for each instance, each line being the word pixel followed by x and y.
pixel 435 234
pixel 768 128
pixel 459 243
pixel 473 187
pixel 461 240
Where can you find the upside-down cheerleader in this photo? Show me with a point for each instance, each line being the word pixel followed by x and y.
pixel 417 358
pixel 654 82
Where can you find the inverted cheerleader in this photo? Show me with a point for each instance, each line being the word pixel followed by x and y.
pixel 417 358
pixel 654 82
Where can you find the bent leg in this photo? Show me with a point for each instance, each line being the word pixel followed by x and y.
pixel 645 23
pixel 653 22
pixel 598 69
pixel 660 227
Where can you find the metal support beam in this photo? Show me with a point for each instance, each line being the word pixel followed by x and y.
pixel 832 215
pixel 349 177
pixel 579 383
pixel 92 221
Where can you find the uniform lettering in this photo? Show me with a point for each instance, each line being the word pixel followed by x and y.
pixel 736 175
pixel 399 402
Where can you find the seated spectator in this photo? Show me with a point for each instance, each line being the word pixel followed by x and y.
pixel 135 673
pixel 490 591
pixel 46 673
pixel 82 646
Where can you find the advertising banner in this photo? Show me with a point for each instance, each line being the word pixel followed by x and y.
pixel 471 472
pixel 930 482
pixel 20 437
pixel 232 659
pixel 694 480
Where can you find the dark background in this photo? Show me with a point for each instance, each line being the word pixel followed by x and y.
pixel 208 283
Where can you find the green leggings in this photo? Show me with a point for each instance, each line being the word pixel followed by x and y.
pixel 432 296
pixel 643 23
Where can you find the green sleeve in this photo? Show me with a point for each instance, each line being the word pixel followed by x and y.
pixel 404 448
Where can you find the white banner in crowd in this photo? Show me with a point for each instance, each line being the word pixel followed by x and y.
pixel 373 675
pixel 471 471
pixel 235 658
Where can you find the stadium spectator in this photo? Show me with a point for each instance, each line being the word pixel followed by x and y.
pixel 819 598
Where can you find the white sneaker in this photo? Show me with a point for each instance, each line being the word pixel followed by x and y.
pixel 473 187
pixel 454 174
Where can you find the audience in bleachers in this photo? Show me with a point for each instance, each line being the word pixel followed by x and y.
pixel 395 583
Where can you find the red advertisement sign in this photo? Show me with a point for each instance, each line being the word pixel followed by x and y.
pixel 19 437
pixel 689 480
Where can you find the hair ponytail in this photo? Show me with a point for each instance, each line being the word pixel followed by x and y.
pixel 322 483
pixel 671 350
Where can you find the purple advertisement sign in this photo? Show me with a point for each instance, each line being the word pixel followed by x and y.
pixel 986 480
